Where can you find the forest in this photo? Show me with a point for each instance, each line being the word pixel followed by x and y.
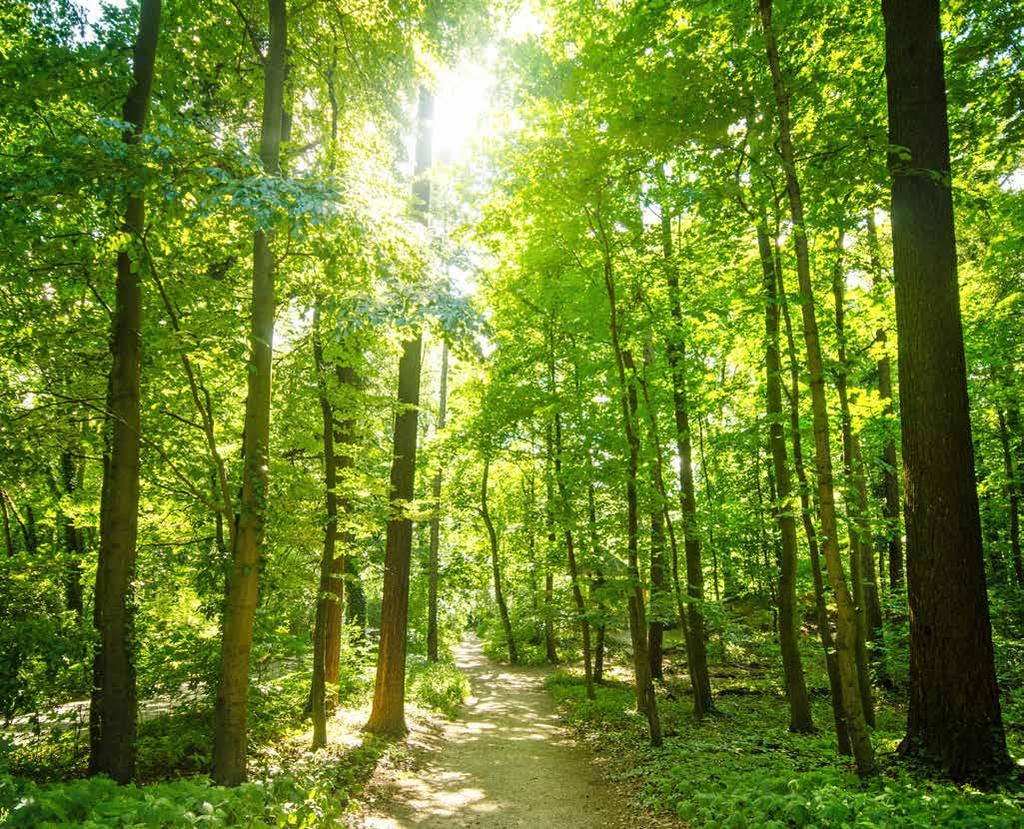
pixel 541 413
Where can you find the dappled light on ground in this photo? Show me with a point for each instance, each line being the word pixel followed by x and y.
pixel 505 762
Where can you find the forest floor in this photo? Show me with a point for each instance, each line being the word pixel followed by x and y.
pixel 505 761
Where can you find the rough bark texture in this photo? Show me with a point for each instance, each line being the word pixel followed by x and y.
pixel 846 629
pixel 230 728
pixel 113 715
pixel 953 717
pixel 800 719
pixel 499 593
pixel 435 519
pixel 696 635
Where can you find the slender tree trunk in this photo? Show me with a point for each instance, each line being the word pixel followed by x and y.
pixel 1012 497
pixel 700 678
pixel 435 519
pixel 858 528
pixel 820 606
pixel 113 714
pixel 74 541
pixel 800 720
pixel 230 729
pixel 8 539
pixel 846 631
pixel 655 627
pixel 647 703
pixel 549 579
pixel 596 584
pixel 890 462
pixel 328 582
pixel 499 594
pixel 388 713
pixel 574 570
pixel 954 715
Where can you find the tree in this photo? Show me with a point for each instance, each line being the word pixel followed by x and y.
pixel 113 712
pixel 230 730
pixel 954 716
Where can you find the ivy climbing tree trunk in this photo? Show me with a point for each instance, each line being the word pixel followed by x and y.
pixel 846 629
pixel 800 719
pixel 113 715
pixel 435 519
pixel 953 716
pixel 231 726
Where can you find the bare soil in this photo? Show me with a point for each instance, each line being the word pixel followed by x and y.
pixel 505 762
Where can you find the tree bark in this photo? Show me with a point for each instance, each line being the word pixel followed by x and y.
pixel 800 719
pixel 846 629
pixel 696 634
pixel 435 519
pixel 231 727
pixel 890 462
pixel 499 594
pixel 858 528
pixel 388 713
pixel 113 707
pixel 953 716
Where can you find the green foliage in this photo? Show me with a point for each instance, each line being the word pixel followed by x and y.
pixel 744 770
pixel 437 685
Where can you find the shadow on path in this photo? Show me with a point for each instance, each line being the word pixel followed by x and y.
pixel 505 762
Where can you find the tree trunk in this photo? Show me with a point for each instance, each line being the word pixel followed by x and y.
pixel 499 594
pixel 800 720
pixel 435 519
pixel 858 529
pixel 113 709
pixel 647 703
pixel 700 678
pixel 574 570
pixel 74 540
pixel 1012 497
pixel 821 610
pixel 388 713
pixel 551 652
pixel 326 595
pixel 596 584
pixel 846 630
pixel 230 728
pixel 953 716
pixel 890 462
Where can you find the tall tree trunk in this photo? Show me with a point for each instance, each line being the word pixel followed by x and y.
pixel 113 709
pixel 647 703
pixel 388 713
pixel 574 570
pixel 551 652
pixel 597 583
pixel 326 595
pixel 858 528
pixel 846 629
pixel 820 607
pixel 800 720
pixel 435 519
pixel 890 462
pixel 499 593
pixel 230 728
pixel 700 678
pixel 954 715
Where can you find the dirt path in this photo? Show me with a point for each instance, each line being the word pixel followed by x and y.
pixel 506 762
